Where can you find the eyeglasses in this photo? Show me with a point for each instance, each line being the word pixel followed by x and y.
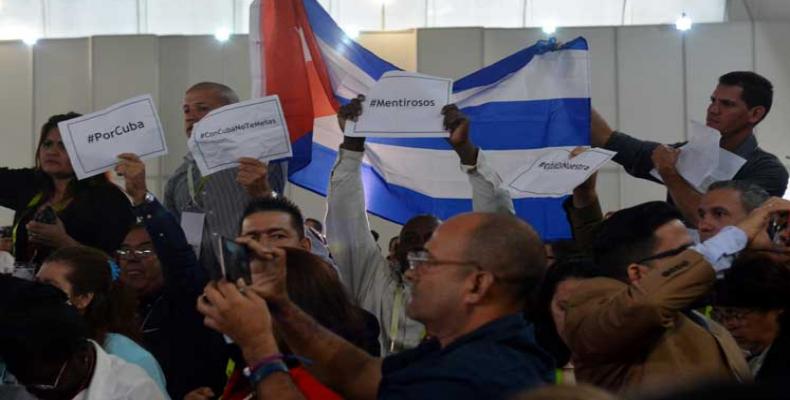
pixel 421 258
pixel 730 313
pixel 54 385
pixel 665 254
pixel 129 254
pixel 50 144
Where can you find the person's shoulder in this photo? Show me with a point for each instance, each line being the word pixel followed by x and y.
pixel 127 349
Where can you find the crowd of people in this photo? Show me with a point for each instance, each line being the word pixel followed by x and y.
pixel 683 297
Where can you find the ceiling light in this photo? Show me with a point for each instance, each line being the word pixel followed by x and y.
pixel 683 23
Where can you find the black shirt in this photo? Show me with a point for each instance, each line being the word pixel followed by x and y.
pixel 99 215
pixel 493 362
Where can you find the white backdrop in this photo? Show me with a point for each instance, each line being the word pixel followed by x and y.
pixel 647 80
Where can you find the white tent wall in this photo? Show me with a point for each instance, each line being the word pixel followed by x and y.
pixel 646 80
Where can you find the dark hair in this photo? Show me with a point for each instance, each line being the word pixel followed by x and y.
pixel 751 195
pixel 75 185
pixel 628 236
pixel 314 286
pixel 754 281
pixel 277 204
pixel 37 326
pixel 757 91
pixel 317 223
pixel 509 247
pixel 545 331
pixel 114 306
pixel 227 94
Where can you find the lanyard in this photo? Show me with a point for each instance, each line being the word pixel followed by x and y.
pixel 395 317
pixel 31 204
pixel 191 183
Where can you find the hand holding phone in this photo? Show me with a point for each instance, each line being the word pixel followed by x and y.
pixel 234 262
pixel 46 216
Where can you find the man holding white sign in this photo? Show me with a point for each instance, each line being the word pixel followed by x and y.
pixel 209 206
pixel 131 126
pixel 254 129
pixel 403 104
pixel 557 173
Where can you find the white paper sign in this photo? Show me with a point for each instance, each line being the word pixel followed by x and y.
pixel 254 128
pixel 556 174
pixel 94 141
pixel 701 161
pixel 403 104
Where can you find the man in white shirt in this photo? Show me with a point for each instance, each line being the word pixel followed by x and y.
pixel 376 283
pixel 43 341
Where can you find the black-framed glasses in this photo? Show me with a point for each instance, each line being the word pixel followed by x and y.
pixel 52 386
pixel 666 254
pixel 422 258
pixel 722 314
pixel 129 254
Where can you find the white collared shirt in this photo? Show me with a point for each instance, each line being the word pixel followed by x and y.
pixel 115 379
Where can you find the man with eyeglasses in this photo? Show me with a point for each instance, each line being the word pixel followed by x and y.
pixel 376 282
pixel 633 327
pixel 158 263
pixel 470 284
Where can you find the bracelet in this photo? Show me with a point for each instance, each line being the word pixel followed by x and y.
pixel 261 363
pixel 261 372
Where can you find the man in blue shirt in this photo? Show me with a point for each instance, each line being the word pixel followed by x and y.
pixel 469 287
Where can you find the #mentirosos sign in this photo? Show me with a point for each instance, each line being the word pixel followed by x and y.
pixel 255 128
pixel 403 104
pixel 94 141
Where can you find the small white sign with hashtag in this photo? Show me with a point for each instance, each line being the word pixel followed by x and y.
pixel 95 140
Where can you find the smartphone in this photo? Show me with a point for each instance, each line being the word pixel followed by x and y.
pixel 46 216
pixel 777 224
pixel 234 262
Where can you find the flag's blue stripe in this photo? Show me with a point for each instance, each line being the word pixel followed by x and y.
pixel 506 66
pixel 517 125
pixel 327 30
pixel 398 204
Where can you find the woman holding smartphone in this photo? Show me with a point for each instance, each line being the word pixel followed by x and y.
pixel 53 209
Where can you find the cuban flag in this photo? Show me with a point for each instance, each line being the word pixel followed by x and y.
pixel 528 103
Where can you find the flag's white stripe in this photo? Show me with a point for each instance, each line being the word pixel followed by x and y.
pixel 554 75
pixel 434 173
pixel 348 80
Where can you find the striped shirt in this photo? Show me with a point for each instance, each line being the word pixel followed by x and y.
pixel 219 197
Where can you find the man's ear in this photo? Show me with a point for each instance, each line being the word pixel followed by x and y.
pixel 306 243
pixel 479 286
pixel 634 272
pixel 756 114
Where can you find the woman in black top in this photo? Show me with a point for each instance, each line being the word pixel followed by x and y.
pixel 54 209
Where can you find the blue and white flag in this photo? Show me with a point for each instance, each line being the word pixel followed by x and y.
pixel 531 102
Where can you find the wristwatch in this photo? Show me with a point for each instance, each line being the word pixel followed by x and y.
pixel 261 372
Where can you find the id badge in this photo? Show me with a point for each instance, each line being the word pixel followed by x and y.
pixel 192 225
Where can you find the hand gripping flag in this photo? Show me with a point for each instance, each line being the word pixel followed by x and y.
pixel 530 102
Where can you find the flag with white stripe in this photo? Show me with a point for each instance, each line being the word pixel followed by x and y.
pixel 531 102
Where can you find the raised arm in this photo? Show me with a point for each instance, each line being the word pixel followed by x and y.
pixel 347 227
pixel 685 196
pixel 584 211
pixel 335 362
pixel 178 260
pixel 489 193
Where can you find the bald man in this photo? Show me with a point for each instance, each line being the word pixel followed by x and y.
pixel 470 284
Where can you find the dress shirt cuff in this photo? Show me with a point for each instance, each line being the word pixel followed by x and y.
pixel 718 250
